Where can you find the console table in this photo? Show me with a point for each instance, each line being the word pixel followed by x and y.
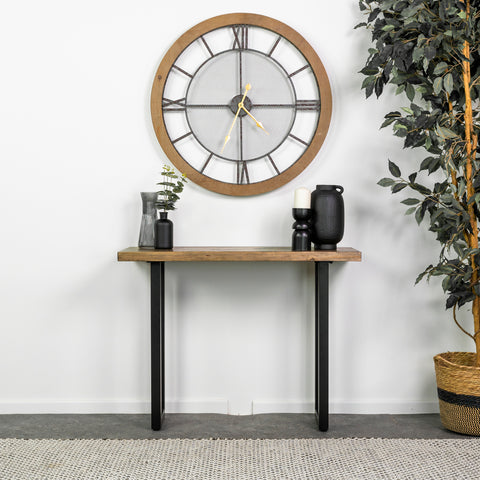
pixel 157 259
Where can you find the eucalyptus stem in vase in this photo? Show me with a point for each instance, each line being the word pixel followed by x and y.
pixel 172 185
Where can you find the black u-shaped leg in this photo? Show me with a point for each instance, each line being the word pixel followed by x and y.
pixel 157 299
pixel 321 344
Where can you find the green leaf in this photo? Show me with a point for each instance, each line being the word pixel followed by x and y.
pixel 428 143
pixel 425 163
pixel 446 283
pixel 363 24
pixel 444 132
pixel 448 82
pixel 437 85
pixel 394 170
pixel 386 182
pixel 369 71
pixel 420 188
pixel 410 210
pixel 425 64
pixel 407 110
pixel 398 187
pixel 367 81
pixel 459 249
pixel 387 122
pixel 417 54
pixel 419 214
pixel 410 201
pixel 430 52
pixel 410 91
pixel 440 68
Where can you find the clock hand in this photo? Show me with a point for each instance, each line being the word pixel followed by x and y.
pixel 240 106
pixel 259 124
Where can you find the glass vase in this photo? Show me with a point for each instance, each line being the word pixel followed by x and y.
pixel 149 215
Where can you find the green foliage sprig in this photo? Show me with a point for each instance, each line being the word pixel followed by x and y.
pixel 173 185
pixel 429 50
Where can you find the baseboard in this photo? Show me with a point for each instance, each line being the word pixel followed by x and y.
pixel 393 407
pixel 272 406
pixel 210 405
pixel 345 407
pixel 213 405
pixel 70 407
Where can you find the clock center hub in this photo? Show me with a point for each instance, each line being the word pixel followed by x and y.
pixel 247 103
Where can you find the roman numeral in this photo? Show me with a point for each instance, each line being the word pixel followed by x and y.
pixel 273 164
pixel 173 105
pixel 298 139
pixel 182 71
pixel 242 172
pixel 306 105
pixel 206 163
pixel 299 70
pixel 274 46
pixel 240 32
pixel 182 137
pixel 206 46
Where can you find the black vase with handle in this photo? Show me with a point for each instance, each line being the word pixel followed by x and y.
pixel 164 232
pixel 328 216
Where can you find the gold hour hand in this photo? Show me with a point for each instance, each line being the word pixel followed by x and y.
pixel 259 124
pixel 240 106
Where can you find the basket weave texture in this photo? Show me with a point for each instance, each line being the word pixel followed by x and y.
pixel 458 383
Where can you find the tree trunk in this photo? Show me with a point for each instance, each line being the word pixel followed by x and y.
pixel 471 146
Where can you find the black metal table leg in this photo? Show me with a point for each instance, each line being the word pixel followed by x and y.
pixel 321 344
pixel 157 299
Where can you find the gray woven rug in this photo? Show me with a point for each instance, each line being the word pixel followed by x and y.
pixel 186 459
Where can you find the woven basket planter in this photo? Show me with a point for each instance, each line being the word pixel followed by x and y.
pixel 458 384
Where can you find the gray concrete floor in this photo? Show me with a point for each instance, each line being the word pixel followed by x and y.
pixel 273 425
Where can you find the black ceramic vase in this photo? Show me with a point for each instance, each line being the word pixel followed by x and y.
pixel 328 216
pixel 163 232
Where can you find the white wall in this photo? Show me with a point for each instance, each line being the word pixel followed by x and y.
pixel 76 148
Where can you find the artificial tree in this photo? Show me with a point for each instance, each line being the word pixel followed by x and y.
pixel 429 50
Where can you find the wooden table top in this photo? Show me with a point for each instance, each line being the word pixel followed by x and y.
pixel 237 254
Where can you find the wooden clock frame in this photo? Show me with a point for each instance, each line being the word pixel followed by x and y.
pixel 315 64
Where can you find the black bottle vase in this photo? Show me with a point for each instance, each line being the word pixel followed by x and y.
pixel 328 216
pixel 163 232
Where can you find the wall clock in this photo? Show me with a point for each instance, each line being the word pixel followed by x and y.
pixel 241 103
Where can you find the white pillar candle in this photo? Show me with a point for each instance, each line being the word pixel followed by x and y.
pixel 302 198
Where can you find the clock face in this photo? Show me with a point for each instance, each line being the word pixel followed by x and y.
pixel 241 104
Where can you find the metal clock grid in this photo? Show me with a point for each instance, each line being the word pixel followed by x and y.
pixel 310 105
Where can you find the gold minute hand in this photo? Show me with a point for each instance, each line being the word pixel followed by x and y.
pixel 240 106
pixel 259 124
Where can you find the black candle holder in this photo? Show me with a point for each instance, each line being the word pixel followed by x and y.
pixel 301 241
